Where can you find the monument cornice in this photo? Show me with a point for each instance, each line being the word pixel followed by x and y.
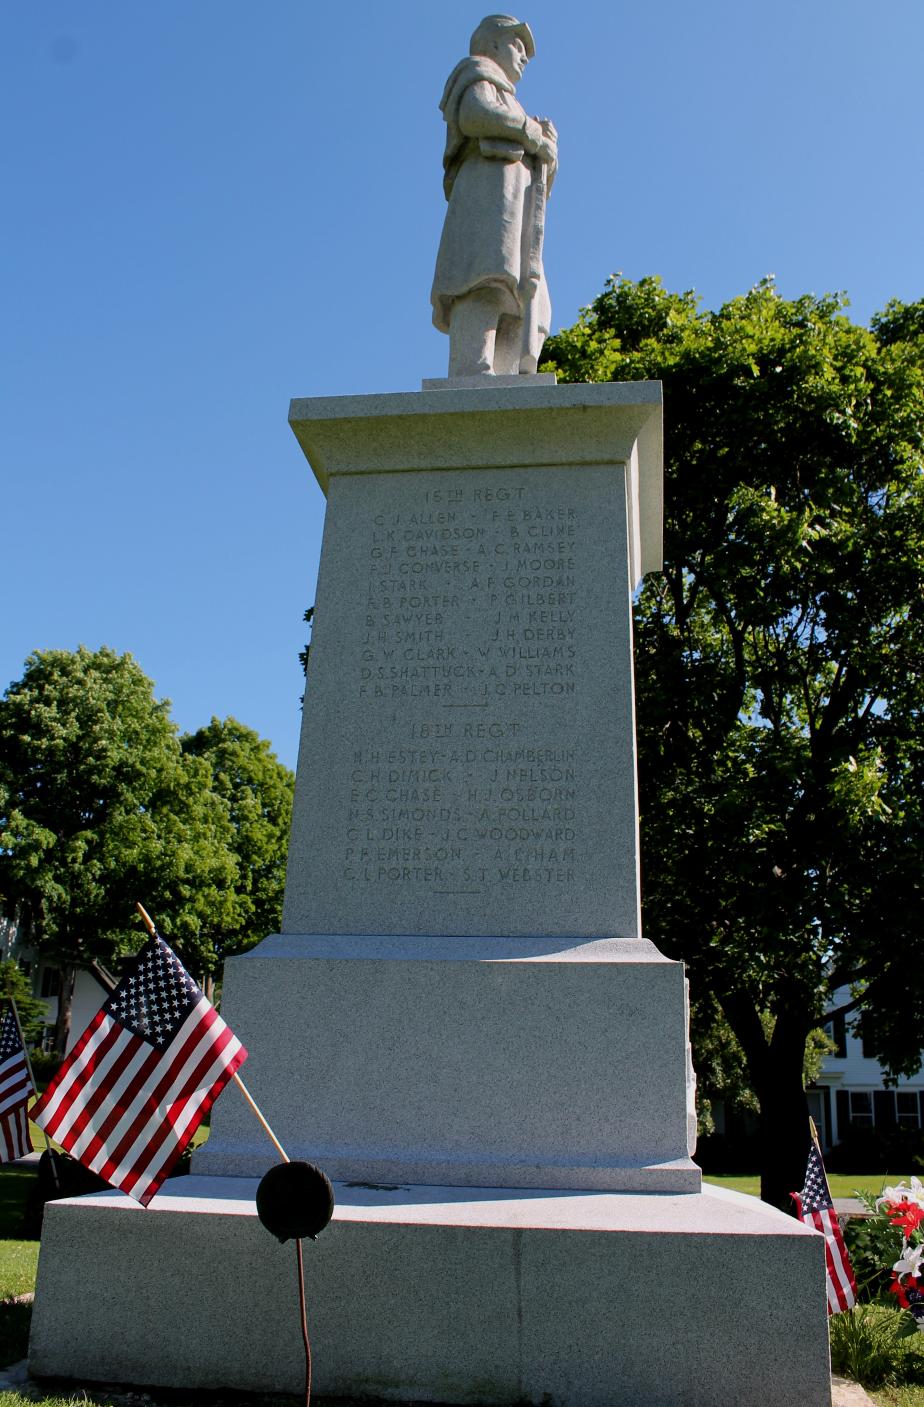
pixel 570 426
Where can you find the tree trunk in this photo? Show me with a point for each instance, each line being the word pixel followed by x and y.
pixel 776 1070
pixel 65 1003
pixel 784 1125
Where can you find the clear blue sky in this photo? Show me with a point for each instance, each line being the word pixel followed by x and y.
pixel 214 205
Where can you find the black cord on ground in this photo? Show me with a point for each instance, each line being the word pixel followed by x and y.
pixel 304 1313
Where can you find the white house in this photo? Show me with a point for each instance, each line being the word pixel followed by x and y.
pixel 850 1091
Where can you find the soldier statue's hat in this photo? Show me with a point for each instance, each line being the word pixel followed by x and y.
pixel 494 26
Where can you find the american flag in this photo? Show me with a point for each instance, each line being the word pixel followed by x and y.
pixel 16 1090
pixel 816 1209
pixel 142 1077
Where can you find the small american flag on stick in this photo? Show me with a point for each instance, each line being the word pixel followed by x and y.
pixel 816 1208
pixel 16 1089
pixel 144 1074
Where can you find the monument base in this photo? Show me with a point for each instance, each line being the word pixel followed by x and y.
pixel 499 1062
pixel 486 381
pixel 477 1295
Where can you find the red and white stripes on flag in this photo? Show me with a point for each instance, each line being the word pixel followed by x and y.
pixel 16 1090
pixel 816 1208
pixel 144 1074
pixel 842 1288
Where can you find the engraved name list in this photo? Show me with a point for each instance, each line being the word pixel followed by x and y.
pixel 472 655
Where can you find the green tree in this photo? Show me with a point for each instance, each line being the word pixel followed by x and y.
pixel 256 790
pixel 779 669
pixel 721 1068
pixel 99 807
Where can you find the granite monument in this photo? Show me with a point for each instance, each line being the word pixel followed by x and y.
pixel 462 1022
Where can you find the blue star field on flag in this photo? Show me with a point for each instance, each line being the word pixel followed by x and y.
pixel 155 998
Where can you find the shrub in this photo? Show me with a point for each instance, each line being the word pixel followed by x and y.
pixel 45 1065
pixel 728 1153
pixel 878 1150
pixel 870 1343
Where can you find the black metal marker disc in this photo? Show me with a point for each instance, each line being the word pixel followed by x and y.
pixel 295 1200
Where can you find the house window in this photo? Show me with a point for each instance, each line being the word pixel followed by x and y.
pixel 861 1109
pixel 909 1115
pixel 51 982
pixel 836 1028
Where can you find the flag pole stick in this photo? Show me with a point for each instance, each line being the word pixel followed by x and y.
pixel 146 917
pixel 256 1109
pixel 149 925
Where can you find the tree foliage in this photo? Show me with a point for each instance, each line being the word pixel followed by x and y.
pixel 779 667
pixel 101 806
pixel 256 790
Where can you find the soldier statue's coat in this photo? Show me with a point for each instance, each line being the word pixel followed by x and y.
pixel 490 182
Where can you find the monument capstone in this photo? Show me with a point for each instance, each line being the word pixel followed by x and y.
pixel 461 1021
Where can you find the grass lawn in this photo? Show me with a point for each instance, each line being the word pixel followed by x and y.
pixel 10 1398
pixel 841 1184
pixel 18 1258
pixel 177 1399
pixel 18 1261
pixel 16 1399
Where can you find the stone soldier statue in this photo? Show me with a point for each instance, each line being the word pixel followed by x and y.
pixel 489 290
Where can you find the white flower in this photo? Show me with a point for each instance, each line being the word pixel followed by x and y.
pixel 910 1263
pixel 903 1193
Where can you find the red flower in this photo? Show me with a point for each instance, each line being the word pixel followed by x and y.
pixel 907 1215
pixel 898 1290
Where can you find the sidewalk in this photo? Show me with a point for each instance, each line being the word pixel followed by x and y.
pixel 849 1206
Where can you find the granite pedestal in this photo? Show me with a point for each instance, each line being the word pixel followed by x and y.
pixel 461 1005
